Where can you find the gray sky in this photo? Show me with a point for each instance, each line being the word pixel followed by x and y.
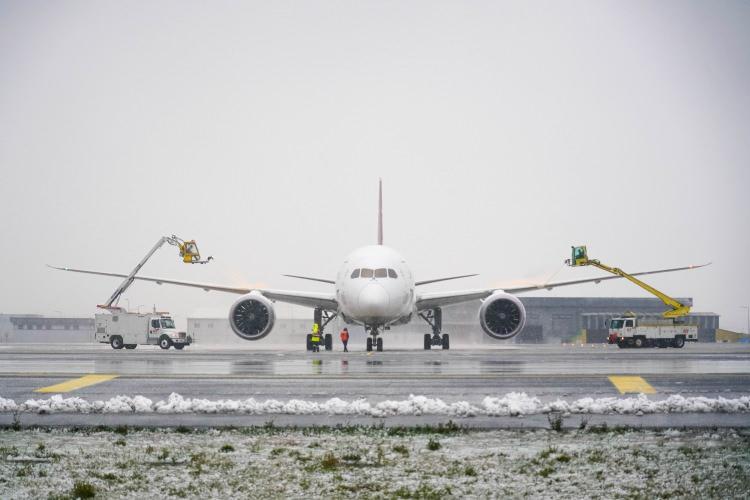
pixel 504 133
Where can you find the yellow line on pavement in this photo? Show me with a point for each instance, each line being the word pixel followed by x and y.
pixel 77 383
pixel 631 384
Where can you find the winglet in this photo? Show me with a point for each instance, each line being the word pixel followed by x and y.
pixel 380 212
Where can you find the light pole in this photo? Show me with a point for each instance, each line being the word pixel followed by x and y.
pixel 748 317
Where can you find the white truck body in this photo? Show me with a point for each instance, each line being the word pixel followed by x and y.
pixel 125 329
pixel 635 332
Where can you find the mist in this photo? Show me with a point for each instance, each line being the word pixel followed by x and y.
pixel 504 133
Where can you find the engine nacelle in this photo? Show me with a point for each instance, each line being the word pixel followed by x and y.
pixel 252 316
pixel 502 316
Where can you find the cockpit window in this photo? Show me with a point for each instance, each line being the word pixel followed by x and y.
pixel 366 273
pixel 392 273
pixel 355 273
pixel 381 273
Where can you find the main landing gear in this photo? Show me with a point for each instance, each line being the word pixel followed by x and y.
pixel 322 318
pixel 373 340
pixel 434 318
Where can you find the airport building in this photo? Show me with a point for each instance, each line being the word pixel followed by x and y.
pixel 35 328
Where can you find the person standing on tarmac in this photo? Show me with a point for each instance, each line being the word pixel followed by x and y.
pixel 345 338
pixel 315 338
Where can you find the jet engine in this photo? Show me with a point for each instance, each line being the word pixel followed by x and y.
pixel 252 316
pixel 502 315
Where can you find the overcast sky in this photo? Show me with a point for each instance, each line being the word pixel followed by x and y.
pixel 504 133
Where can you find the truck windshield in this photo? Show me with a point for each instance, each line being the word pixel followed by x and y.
pixel 167 323
pixel 616 324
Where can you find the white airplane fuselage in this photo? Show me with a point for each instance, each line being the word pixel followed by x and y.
pixel 375 287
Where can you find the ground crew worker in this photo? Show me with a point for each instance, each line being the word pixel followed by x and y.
pixel 315 338
pixel 345 338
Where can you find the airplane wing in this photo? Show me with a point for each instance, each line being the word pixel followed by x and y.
pixel 438 299
pixel 310 299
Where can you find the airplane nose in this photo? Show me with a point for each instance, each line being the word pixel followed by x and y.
pixel 373 301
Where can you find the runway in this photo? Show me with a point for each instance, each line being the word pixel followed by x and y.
pixel 547 373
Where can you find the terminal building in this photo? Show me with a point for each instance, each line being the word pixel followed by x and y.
pixel 35 328
pixel 548 320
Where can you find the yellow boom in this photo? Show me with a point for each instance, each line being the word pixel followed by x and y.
pixel 579 258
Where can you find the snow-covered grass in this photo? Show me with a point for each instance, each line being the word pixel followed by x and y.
pixel 373 462
pixel 513 404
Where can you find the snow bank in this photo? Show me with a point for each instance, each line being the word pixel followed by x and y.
pixel 512 404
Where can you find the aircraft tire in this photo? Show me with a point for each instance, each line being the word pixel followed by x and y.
pixel 446 341
pixel 369 344
pixel 427 342
pixel 309 342
pixel 379 344
pixel 329 342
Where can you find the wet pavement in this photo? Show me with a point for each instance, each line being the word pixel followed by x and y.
pixel 543 371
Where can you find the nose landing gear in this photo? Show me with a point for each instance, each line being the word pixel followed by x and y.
pixel 434 318
pixel 373 340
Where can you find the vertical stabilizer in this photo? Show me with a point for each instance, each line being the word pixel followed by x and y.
pixel 380 212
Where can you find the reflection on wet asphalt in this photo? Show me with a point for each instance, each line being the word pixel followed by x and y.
pixel 526 360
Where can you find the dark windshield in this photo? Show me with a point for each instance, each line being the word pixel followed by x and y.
pixel 392 273
pixel 616 324
pixel 167 323
pixel 355 273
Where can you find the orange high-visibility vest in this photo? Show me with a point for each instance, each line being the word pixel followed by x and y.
pixel 344 336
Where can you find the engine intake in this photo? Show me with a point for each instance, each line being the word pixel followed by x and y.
pixel 502 316
pixel 252 316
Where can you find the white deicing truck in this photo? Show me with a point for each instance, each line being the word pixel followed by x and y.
pixel 120 328
pixel 630 331
pixel 126 329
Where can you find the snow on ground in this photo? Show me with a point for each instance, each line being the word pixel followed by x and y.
pixel 513 404
pixel 373 462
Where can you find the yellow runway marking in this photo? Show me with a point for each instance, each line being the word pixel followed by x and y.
pixel 631 385
pixel 77 383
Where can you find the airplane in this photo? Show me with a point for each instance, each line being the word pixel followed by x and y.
pixel 376 288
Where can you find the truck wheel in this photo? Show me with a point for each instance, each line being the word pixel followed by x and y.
pixel 116 342
pixel 678 342
pixel 131 346
pixel 621 345
pixel 179 346
pixel 638 342
pixel 164 342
